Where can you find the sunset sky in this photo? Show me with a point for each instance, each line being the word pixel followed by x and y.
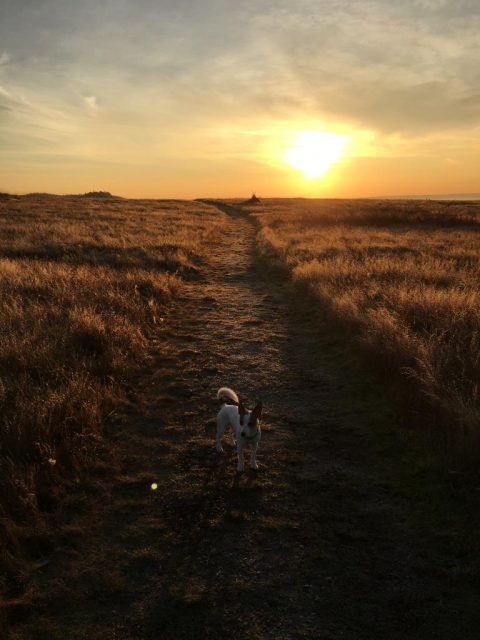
pixel 184 98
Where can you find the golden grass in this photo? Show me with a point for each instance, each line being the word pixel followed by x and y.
pixel 403 278
pixel 82 283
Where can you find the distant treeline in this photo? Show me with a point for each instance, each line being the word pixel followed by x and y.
pixel 96 194
pixel 89 194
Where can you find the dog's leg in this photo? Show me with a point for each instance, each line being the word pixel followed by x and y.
pixel 253 457
pixel 220 430
pixel 240 465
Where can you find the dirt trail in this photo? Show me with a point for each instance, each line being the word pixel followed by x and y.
pixel 316 545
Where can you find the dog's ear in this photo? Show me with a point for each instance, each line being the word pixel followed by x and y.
pixel 241 410
pixel 257 411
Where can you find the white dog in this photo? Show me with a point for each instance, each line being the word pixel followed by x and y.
pixel 246 425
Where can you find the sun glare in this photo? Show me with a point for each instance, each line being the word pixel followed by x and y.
pixel 314 152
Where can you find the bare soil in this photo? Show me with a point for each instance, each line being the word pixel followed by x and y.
pixel 332 538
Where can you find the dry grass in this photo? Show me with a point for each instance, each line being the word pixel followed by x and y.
pixel 402 278
pixel 82 283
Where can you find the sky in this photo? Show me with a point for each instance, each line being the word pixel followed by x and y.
pixel 198 98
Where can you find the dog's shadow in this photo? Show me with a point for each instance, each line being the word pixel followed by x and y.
pixel 220 471
pixel 242 490
pixel 244 498
pixel 250 476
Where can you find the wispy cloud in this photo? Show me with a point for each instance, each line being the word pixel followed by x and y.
pixel 91 104
pixel 391 66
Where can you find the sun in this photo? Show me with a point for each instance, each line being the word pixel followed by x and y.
pixel 314 152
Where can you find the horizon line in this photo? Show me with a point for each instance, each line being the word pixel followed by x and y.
pixel 409 196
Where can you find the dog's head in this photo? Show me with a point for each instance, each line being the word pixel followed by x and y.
pixel 250 420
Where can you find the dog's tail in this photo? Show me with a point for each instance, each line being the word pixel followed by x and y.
pixel 227 395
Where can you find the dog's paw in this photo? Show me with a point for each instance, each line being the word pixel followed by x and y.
pixel 254 466
pixel 219 449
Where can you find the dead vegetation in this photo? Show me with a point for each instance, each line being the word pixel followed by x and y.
pixel 82 283
pixel 401 278
pixel 334 511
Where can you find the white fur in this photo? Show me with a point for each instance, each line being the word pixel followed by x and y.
pixel 245 435
pixel 225 393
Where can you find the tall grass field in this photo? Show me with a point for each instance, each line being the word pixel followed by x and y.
pixel 82 283
pixel 401 279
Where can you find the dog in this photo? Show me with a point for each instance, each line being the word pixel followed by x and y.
pixel 246 425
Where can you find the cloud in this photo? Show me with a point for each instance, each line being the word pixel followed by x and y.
pixel 91 104
pixel 394 67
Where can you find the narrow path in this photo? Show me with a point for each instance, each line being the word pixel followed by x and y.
pixel 316 545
